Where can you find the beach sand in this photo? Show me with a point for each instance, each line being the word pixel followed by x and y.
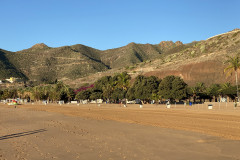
pixel 110 131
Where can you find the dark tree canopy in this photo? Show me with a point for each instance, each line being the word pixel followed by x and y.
pixel 118 94
pixel 96 95
pixel 113 88
pixel 172 87
pixel 118 88
pixel 144 88
pixel 83 95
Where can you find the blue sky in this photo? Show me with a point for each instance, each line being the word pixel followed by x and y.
pixel 106 24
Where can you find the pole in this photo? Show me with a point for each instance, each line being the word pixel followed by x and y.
pixel 236 83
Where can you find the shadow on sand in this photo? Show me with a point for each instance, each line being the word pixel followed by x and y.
pixel 21 134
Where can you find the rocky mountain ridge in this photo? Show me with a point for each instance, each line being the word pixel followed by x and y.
pixel 197 61
pixel 44 63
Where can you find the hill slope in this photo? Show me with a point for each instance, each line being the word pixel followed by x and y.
pixel 203 62
pixel 7 69
pixel 48 64
pixel 195 62
pixel 43 63
pixel 129 55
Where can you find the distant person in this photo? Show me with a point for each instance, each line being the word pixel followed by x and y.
pixel 140 104
pixel 168 102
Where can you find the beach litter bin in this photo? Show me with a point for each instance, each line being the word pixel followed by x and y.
pixel 210 106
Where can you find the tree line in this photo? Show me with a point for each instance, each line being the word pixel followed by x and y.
pixel 119 87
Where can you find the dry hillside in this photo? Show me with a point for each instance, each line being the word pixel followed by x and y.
pixel 201 61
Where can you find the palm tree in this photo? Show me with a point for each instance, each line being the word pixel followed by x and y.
pixel 233 65
pixel 62 90
pixel 108 90
pixel 20 92
pixel 200 86
pixel 223 88
pixel 35 93
pixel 123 80
pixel 193 93
pixel 28 93
pixel 198 91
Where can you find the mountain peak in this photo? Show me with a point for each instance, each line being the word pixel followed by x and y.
pixel 131 44
pixel 39 46
pixel 178 43
pixel 236 29
pixel 166 43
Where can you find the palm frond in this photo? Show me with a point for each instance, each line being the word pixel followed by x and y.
pixel 234 64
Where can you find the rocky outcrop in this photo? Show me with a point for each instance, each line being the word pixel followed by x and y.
pixel 168 45
pixel 178 43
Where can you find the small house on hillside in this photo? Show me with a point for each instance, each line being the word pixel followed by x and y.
pixel 13 79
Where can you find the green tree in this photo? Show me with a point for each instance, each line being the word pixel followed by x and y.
pixel 131 94
pixel 83 95
pixel 107 91
pixel 200 87
pixel 226 89
pixel 106 86
pixel 6 94
pixel 213 91
pixel 173 87
pixel 145 88
pixel 192 92
pixel 20 92
pixel 63 92
pixel 9 93
pixel 201 91
pixel 233 66
pixel 123 80
pixel 95 95
pixel 198 92
pixel 1 94
pixel 118 94
pixel 99 84
pixel 179 88
pixel 35 93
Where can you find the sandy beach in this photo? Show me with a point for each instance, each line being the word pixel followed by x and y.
pixel 110 131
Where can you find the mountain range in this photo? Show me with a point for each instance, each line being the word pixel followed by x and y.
pixel 77 64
